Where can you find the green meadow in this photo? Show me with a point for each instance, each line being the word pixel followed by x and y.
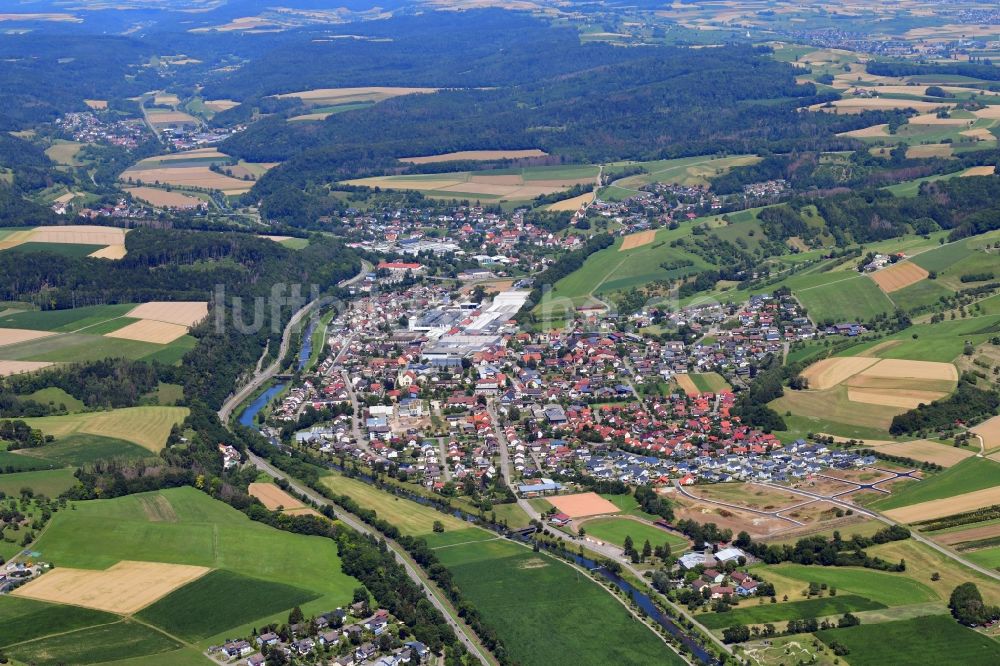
pixel 967 476
pixel 794 610
pixel 530 598
pixel 186 526
pixel 935 639
pixel 614 530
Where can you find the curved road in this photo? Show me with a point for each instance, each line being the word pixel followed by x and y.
pixel 262 376
pixel 431 591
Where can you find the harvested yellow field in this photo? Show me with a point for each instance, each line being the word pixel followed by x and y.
pixel 8 368
pixel 899 275
pixel 12 336
pixel 990 112
pixel 573 204
pixel 189 176
pixel 896 368
pixel 82 234
pixel 125 588
pixel 903 398
pixel 183 313
pixel 170 118
pixel 832 371
pixel 868 132
pixel 96 104
pixel 687 385
pixel 929 150
pixel 979 171
pixel 859 104
pixel 971 534
pixel 323 115
pixel 197 153
pixel 989 430
pixel 323 96
pixel 164 199
pixel 220 104
pixel 933 119
pixel 114 252
pixel 639 239
pixel 147 426
pixel 947 506
pixel 925 451
pixel 477 155
pixel 582 504
pixel 273 497
pixel 166 99
pixel 149 330
pixel 467 185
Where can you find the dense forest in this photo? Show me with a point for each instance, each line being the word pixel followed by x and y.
pixel 184 265
pixel 980 69
pixel 967 405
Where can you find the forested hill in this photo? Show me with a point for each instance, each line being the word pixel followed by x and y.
pixel 670 103
pixel 484 48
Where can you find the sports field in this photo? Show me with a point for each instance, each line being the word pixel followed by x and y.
pixel 148 426
pixel 582 504
pixel 186 526
pixel 531 597
pixel 936 639
pixel 614 530
pixel 411 518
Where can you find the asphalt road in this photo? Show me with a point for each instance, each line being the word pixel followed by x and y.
pixel 263 376
pixel 430 590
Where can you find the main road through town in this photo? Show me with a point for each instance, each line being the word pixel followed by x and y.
pixel 262 376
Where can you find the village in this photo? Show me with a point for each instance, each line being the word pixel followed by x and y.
pixel 341 637
pixel 426 384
